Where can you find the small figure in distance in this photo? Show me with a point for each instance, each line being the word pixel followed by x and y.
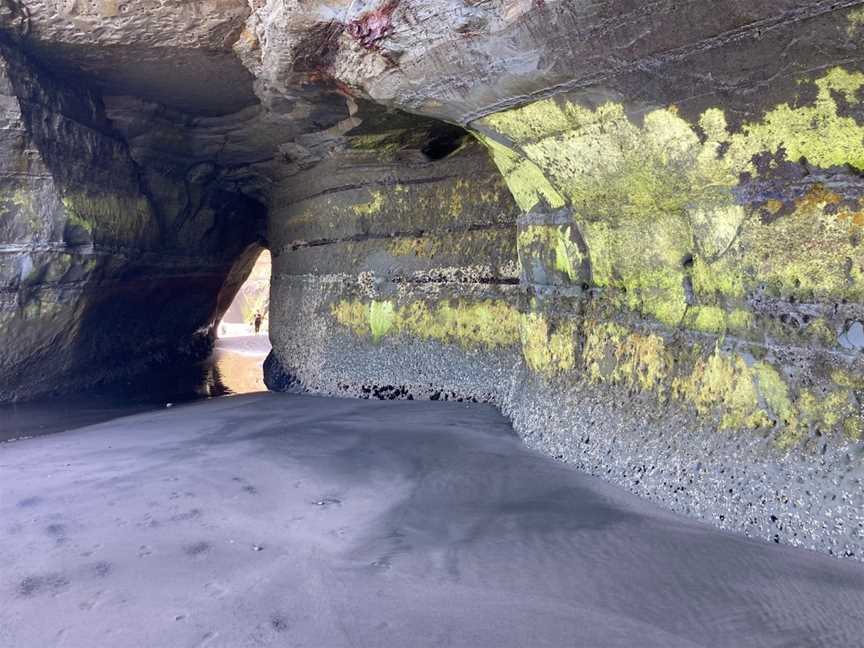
pixel 258 319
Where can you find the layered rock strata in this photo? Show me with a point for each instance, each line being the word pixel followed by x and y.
pixel 687 319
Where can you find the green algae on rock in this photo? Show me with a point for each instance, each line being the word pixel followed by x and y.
pixel 658 202
pixel 545 350
pixel 486 323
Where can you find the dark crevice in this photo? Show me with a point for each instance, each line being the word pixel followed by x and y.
pixel 444 140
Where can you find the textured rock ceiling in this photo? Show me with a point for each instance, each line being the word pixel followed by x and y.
pixel 176 53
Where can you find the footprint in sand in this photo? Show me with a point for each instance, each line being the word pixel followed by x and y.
pixel 198 549
pixel 278 623
pixel 102 568
pixel 42 584
pixel 207 639
pixel 216 590
pixel 92 602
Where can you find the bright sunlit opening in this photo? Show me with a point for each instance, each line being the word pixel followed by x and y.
pixel 249 313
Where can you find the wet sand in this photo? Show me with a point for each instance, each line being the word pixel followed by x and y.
pixel 277 520
pixel 234 368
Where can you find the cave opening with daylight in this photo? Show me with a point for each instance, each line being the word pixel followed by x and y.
pixel 251 303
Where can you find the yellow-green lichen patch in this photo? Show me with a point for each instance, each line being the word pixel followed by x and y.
pixel 20 205
pixel 388 142
pixel 487 323
pixel 722 278
pixel 420 247
pixel 630 189
pixel 57 268
pixel 41 308
pixel 646 262
pixel 736 392
pixel 614 354
pixel 353 315
pixel 495 245
pixel 537 120
pixel 524 179
pixel 853 427
pixel 739 321
pixel 554 247
pixel 821 332
pixel 372 207
pixel 856 22
pixel 709 319
pixel 717 320
pixel 723 385
pixel 745 395
pixel 775 393
pixel 602 340
pixel 422 206
pixel 545 350
pixel 812 253
pixel 647 195
pixel 112 218
pixel 382 316
pixel 846 378
pixel 73 219
pixel 835 410
pixel 816 132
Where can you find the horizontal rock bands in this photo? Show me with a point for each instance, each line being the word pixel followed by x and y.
pixel 412 234
pixel 670 56
pixel 141 256
pixel 377 184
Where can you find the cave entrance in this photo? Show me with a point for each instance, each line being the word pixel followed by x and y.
pixel 240 351
pixel 251 302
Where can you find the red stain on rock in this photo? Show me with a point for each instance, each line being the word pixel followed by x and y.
pixel 343 88
pixel 373 25
pixel 319 47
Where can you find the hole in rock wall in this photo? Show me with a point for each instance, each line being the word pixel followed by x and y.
pixel 444 140
pixel 234 367
pixel 253 299
pixel 242 341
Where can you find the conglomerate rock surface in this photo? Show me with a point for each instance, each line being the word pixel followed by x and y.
pixel 634 226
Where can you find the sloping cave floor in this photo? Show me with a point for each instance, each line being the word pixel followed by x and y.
pixel 279 520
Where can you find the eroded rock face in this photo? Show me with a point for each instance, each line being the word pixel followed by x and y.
pixel 637 227
pixel 688 245
pixel 102 270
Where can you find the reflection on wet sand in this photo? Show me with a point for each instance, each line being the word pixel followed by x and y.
pixel 234 368
pixel 236 365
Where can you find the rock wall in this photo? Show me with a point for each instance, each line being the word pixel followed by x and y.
pixel 98 275
pixel 685 317
pixel 409 284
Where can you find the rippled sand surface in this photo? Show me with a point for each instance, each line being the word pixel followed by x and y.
pixel 275 520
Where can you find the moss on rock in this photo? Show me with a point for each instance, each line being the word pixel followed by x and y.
pixel 486 323
pixel 546 350
pixel 664 205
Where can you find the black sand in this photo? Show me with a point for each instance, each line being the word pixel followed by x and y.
pixel 273 520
